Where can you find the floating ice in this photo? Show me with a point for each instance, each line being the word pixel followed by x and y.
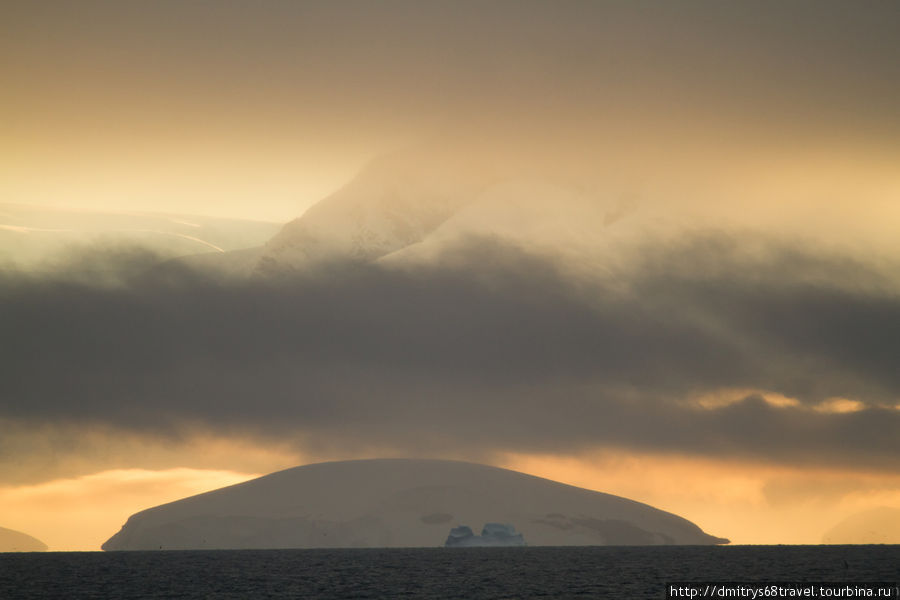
pixel 493 534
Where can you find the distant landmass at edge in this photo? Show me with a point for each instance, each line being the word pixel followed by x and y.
pixel 16 541
pixel 874 526
pixel 398 503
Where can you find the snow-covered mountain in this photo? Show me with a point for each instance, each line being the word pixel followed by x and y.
pixel 394 202
pixel 411 208
pixel 397 503
pixel 32 235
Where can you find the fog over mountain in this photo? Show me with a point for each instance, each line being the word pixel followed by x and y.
pixel 636 330
pixel 397 503
pixel 397 200
pixel 416 320
pixel 412 206
pixel 874 526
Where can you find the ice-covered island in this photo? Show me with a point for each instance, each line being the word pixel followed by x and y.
pixel 407 503
pixel 492 534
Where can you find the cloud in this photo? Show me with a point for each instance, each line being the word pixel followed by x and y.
pixel 490 349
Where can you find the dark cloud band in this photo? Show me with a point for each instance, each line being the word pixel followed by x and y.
pixel 493 350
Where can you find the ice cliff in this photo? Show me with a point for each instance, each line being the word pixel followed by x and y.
pixel 493 534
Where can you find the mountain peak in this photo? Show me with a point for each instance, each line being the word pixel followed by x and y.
pixel 395 201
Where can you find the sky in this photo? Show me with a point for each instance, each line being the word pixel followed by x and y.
pixel 719 339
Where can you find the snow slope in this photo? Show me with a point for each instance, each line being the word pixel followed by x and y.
pixel 30 235
pixel 413 208
pixel 397 503
pixel 394 202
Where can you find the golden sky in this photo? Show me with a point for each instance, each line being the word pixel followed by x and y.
pixel 752 503
pixel 776 123
pixel 258 111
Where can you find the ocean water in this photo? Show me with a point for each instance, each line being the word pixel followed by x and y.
pixel 469 573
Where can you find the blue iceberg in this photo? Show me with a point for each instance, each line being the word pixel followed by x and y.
pixel 493 534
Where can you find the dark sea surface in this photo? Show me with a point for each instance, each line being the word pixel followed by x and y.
pixel 471 573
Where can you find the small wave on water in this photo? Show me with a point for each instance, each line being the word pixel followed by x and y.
pixel 470 573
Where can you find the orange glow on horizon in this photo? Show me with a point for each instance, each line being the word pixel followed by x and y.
pixel 747 503
pixel 83 512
